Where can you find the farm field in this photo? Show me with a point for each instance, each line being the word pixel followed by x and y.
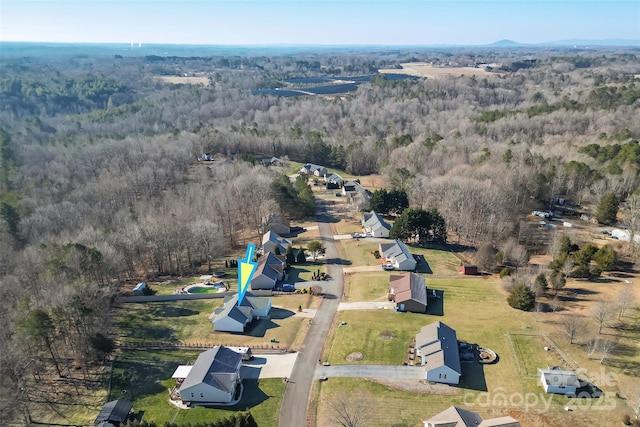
pixel 423 69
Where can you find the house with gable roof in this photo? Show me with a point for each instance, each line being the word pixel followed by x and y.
pixel 213 379
pixel 271 269
pixel 437 347
pixel 409 292
pixel 233 318
pixel 398 254
pixel 114 413
pixel 333 181
pixel 271 241
pixel 315 170
pixel 373 223
pixel 455 416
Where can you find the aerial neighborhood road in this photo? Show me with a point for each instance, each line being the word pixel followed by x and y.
pixel 293 411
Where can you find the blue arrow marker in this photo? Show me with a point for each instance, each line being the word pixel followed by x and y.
pixel 246 268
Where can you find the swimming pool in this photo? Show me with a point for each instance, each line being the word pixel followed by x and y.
pixel 204 289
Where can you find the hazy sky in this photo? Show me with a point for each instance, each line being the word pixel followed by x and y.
pixel 417 22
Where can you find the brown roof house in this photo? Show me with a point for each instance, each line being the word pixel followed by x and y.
pixel 270 270
pixel 409 292
pixel 437 347
pixel 458 417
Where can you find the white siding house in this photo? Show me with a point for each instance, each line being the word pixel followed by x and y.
pixel 271 241
pixel 214 378
pixel 398 254
pixel 375 224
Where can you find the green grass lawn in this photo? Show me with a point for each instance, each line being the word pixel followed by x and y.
pixel 358 252
pixel 188 322
pixel 304 272
pixel 531 355
pixel 366 287
pixel 144 377
pixel 441 263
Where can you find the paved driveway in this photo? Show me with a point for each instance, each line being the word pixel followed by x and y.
pixel 371 371
pixel 269 366
pixel 366 305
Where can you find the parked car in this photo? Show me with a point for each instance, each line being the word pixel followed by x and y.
pixel 388 267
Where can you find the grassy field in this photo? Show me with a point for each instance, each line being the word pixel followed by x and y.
pixel 366 287
pixel 145 377
pixel 188 322
pixel 440 262
pixel 530 353
pixel 304 272
pixel 359 252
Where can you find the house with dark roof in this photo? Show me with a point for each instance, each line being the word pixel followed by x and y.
pixel 455 416
pixel 333 181
pixel 559 381
pixel 437 347
pixel 213 379
pixel 271 242
pixel 373 223
pixel 114 413
pixel 398 254
pixel 409 292
pixel 233 318
pixel 277 224
pixel 315 170
pixel 271 269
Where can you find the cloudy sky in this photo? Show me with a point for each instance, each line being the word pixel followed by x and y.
pixel 344 22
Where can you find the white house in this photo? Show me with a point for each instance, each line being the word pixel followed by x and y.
pixel 375 224
pixel 233 318
pixel 559 381
pixel 315 170
pixel 270 270
pixel 454 416
pixel 398 254
pixel 437 347
pixel 213 379
pixel 271 241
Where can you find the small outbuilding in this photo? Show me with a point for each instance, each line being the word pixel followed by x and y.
pixel 115 413
pixel 140 289
pixel 559 381
pixel 469 270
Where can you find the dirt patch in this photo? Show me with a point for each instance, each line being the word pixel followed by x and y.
pixel 387 335
pixel 423 69
pixel 355 357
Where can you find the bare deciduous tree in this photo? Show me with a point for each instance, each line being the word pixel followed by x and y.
pixel 606 348
pixel 624 300
pixel 602 313
pixel 349 410
pixel 573 325
pixel 592 346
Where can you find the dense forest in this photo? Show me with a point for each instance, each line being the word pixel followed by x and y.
pixel 99 181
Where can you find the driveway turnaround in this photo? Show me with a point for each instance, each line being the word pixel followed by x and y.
pixel 371 371
pixel 269 366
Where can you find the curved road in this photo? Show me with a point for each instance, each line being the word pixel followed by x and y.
pixel 293 412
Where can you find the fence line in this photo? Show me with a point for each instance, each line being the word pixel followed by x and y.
pixel 255 348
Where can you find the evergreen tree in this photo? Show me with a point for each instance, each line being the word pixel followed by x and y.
pixel 608 209
pixel 522 298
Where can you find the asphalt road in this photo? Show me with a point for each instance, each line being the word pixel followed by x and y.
pixel 293 412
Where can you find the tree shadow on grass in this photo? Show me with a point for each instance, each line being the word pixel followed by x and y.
pixel 627 366
pixel 135 378
pixel 167 310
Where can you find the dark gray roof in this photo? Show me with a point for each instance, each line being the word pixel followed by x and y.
pixel 440 346
pixel 216 367
pixel 116 411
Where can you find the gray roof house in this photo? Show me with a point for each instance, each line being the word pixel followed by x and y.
pixel 559 381
pixel 458 417
pixel 375 224
pixel 437 347
pixel 311 169
pixel 276 223
pixel 271 241
pixel 398 254
pixel 333 181
pixel 359 197
pixel 114 413
pixel 270 270
pixel 233 318
pixel 214 378
pixel 409 292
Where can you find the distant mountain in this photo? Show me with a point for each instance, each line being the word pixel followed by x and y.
pixel 568 43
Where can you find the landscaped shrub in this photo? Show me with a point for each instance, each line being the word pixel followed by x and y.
pixel 522 298
pixel 505 272
pixel 376 254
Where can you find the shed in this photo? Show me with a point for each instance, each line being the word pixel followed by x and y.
pixel 116 412
pixel 140 288
pixel 558 380
pixel 469 270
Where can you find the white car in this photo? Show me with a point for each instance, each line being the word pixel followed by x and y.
pixel 388 267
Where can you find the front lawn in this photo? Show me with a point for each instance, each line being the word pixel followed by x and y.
pixel 366 287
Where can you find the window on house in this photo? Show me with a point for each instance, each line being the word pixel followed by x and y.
pixel 191 394
pixel 201 395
